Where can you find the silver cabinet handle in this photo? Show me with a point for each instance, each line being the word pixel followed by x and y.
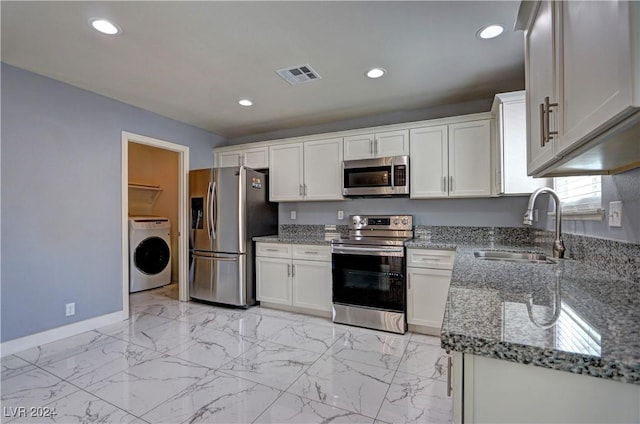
pixel 371 147
pixel 451 184
pixel 293 270
pixel 547 120
pixel 444 184
pixel 288 270
pixel 305 190
pixel 239 160
pixel 542 132
pixel 408 282
pixel 375 146
pixel 449 379
pixel 300 190
pixel 271 250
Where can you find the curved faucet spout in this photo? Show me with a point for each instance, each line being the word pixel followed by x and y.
pixel 558 244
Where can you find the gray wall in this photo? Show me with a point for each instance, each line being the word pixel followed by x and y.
pixel 491 212
pixel 61 209
pixel 624 187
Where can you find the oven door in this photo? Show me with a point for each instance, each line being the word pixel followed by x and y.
pixel 368 276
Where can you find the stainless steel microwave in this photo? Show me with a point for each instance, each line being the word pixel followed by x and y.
pixel 380 177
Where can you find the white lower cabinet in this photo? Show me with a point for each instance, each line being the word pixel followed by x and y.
pixel 294 275
pixel 498 391
pixel 428 279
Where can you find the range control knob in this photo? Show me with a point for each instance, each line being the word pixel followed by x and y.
pixel 395 221
pixel 405 221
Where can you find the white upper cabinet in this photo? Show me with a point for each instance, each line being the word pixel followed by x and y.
pixel 286 173
pixel 306 171
pixel 323 169
pixel 510 146
pixel 470 159
pixel 429 167
pixel 451 160
pixel 256 158
pixel 540 70
pixel 376 145
pixel 583 86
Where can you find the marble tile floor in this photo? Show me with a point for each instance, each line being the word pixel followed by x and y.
pixel 179 362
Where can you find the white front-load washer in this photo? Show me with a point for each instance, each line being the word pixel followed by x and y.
pixel 149 252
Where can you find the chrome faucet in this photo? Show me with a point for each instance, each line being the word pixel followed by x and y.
pixel 558 244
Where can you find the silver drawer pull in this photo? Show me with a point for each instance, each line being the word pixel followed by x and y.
pixel 272 250
pixel 449 379
pixel 309 252
pixel 431 259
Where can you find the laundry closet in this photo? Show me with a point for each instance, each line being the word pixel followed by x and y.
pixel 153 192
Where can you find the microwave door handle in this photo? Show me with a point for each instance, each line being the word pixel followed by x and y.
pixel 393 172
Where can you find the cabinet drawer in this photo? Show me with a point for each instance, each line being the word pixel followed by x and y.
pixel 312 252
pixel 273 250
pixel 438 259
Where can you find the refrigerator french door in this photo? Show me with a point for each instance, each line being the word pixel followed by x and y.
pixel 229 206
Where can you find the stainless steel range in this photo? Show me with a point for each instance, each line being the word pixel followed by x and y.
pixel 368 270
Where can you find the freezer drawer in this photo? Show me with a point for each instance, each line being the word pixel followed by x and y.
pixel 218 277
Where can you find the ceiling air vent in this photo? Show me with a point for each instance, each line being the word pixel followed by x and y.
pixel 299 74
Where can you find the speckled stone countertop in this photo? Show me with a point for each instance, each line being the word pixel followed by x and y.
pixel 294 239
pixel 507 310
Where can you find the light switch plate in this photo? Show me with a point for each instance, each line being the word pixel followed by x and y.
pixel 293 214
pixel 340 215
pixel 615 214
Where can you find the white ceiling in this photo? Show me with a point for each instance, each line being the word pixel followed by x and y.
pixel 192 61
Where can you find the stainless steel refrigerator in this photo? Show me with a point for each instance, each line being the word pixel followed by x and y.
pixel 229 206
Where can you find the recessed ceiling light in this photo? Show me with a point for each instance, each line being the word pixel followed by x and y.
pixel 375 73
pixel 245 102
pixel 105 26
pixel 490 31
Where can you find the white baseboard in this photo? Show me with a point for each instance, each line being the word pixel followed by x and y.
pixel 17 345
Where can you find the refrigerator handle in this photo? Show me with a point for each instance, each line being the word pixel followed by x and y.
pixel 214 216
pixel 242 198
pixel 211 210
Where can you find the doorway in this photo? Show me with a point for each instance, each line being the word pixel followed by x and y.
pixel 140 205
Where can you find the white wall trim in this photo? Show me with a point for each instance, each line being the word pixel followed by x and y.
pixel 183 230
pixel 17 345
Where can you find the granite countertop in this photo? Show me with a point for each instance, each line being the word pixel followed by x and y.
pixel 492 306
pixel 295 239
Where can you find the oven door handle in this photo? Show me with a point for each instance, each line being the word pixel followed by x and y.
pixel 369 251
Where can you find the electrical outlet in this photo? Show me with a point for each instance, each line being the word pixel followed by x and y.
pixel 340 215
pixel 615 214
pixel 293 215
pixel 70 309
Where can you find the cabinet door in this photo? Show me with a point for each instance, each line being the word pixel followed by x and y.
pixel 273 280
pixel 286 172
pixel 358 147
pixel 229 159
pixel 256 158
pixel 391 143
pixel 540 70
pixel 596 80
pixel 427 291
pixel 312 285
pixel 470 159
pixel 323 169
pixel 429 167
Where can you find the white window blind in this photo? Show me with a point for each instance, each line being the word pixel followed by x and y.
pixel 580 195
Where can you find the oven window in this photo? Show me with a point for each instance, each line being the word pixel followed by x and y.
pixel 369 281
pixel 377 176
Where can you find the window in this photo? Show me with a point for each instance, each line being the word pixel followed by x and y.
pixel 580 197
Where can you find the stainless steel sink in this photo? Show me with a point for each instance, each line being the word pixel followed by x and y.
pixel 492 255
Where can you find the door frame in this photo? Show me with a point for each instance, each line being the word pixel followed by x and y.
pixel 183 231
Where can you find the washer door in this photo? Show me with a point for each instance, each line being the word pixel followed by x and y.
pixel 152 255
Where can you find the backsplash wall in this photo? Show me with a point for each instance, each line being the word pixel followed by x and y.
pixel 624 187
pixel 481 212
